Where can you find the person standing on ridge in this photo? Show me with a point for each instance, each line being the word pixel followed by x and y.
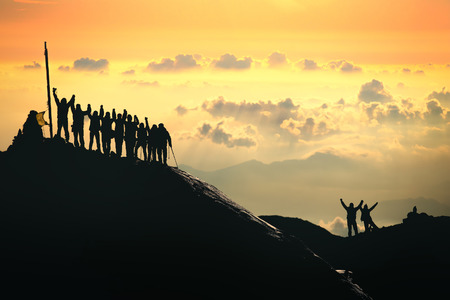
pixel 94 128
pixel 63 109
pixel 151 142
pixel 106 129
pixel 351 216
pixel 130 135
pixel 119 130
pixel 162 138
pixel 141 140
pixel 369 225
pixel 78 124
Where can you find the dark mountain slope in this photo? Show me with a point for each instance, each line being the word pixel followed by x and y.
pixel 78 224
pixel 404 261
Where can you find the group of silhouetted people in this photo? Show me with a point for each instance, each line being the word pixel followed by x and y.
pixel 136 135
pixel 369 225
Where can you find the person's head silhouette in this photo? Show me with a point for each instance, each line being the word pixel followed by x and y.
pixel 63 101
pixel 161 125
pixel 78 107
pixel 351 205
pixel 95 114
pixel 107 115
pixel 129 118
pixel 365 206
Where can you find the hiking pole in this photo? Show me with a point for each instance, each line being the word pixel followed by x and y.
pixel 174 156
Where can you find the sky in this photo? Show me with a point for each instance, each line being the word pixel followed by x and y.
pixel 267 80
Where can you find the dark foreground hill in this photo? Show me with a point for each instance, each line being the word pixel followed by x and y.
pixel 405 261
pixel 77 224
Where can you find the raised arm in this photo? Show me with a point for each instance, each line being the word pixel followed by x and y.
pixel 72 101
pixel 147 127
pixel 343 204
pixel 360 205
pixel 373 206
pixel 55 96
pixel 88 111
pixel 114 114
pixel 102 112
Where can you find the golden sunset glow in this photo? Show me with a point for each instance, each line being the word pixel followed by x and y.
pixel 269 80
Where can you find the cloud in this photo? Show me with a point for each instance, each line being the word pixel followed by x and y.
pixel 229 61
pixel 129 72
pixel 181 62
pixel 338 226
pixel 443 96
pixel 182 110
pixel 344 66
pixel 141 83
pixel 34 66
pixel 87 64
pixel 258 113
pixel 277 59
pixel 373 92
pixel 219 136
pixel 308 65
pixel 435 112
pixel 64 68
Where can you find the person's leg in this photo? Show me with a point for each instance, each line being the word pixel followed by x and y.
pixel 355 227
pixel 58 132
pixel 349 227
pixel 91 140
pixel 66 130
pixel 97 139
pixel 75 138
pixel 81 136
pixel 165 155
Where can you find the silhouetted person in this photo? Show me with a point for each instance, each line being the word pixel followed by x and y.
pixel 369 225
pixel 151 140
pixel 94 128
pixel 351 216
pixel 63 109
pixel 31 133
pixel 78 124
pixel 107 133
pixel 162 138
pixel 119 130
pixel 415 217
pixel 141 140
pixel 130 135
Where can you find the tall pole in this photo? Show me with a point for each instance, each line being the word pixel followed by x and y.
pixel 48 90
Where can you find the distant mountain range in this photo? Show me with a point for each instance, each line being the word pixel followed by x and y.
pixel 311 188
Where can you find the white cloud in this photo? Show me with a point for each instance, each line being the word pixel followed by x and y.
pixel 338 226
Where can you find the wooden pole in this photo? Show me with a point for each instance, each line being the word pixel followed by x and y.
pixel 48 91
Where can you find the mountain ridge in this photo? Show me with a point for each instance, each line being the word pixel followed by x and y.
pixel 404 261
pixel 79 223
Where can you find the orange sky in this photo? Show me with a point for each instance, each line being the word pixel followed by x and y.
pixel 368 31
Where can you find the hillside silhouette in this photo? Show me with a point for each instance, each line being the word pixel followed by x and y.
pixel 405 261
pixel 76 223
